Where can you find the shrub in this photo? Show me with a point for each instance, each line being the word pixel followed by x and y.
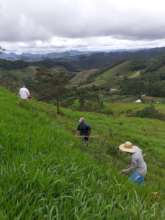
pixel 149 112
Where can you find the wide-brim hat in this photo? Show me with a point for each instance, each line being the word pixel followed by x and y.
pixel 128 147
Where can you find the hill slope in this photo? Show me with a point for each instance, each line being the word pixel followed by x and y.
pixel 113 75
pixel 117 74
pixel 47 174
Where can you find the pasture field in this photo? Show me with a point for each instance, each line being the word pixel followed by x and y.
pixel 47 173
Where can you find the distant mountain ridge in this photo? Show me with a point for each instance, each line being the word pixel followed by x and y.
pixel 130 72
pixel 33 57
pixel 40 56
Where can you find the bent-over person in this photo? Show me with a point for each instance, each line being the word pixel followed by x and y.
pixel 138 167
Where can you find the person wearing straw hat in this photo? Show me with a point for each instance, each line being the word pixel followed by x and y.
pixel 84 130
pixel 138 167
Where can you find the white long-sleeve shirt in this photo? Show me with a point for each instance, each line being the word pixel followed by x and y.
pixel 24 93
pixel 139 163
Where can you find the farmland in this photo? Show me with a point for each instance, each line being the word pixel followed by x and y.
pixel 47 173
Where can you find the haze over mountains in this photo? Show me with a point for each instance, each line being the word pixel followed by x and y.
pixel 40 55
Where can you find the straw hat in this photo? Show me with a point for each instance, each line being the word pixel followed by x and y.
pixel 128 147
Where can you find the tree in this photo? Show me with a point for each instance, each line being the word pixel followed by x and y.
pixel 51 84
pixel 81 95
pixel 96 94
pixel 89 98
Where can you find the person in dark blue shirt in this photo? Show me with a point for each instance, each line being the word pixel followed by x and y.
pixel 84 130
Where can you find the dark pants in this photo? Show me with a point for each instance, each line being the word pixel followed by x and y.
pixel 85 138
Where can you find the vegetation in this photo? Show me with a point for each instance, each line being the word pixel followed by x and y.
pixel 150 112
pixel 128 73
pixel 46 173
pixel 49 84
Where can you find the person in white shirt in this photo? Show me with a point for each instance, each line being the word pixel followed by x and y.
pixel 24 93
pixel 138 166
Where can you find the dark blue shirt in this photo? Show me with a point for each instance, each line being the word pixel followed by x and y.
pixel 84 129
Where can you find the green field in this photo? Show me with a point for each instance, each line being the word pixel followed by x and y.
pixel 120 108
pixel 113 75
pixel 46 173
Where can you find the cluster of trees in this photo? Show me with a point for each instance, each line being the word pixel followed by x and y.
pixel 86 95
pixel 52 85
pixel 12 65
pixel 151 81
pixel 49 84
pixel 141 86
pixel 9 81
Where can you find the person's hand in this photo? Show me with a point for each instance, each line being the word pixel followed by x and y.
pixel 124 172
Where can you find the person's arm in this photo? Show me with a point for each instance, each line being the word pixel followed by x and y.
pixel 27 92
pixel 19 93
pixel 129 169
pixel 89 129
pixel 78 131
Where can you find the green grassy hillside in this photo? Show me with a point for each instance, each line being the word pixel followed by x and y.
pixel 117 71
pixel 83 77
pixel 113 75
pixel 46 173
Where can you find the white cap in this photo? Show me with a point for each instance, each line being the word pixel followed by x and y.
pixel 81 119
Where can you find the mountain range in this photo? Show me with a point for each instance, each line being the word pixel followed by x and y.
pixel 132 72
pixel 39 56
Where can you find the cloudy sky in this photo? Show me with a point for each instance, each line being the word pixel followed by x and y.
pixel 81 24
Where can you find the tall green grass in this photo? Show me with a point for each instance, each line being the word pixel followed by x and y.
pixel 46 173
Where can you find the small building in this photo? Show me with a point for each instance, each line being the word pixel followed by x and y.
pixel 113 90
pixel 138 101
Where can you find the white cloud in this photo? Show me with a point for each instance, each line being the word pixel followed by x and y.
pixel 88 23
